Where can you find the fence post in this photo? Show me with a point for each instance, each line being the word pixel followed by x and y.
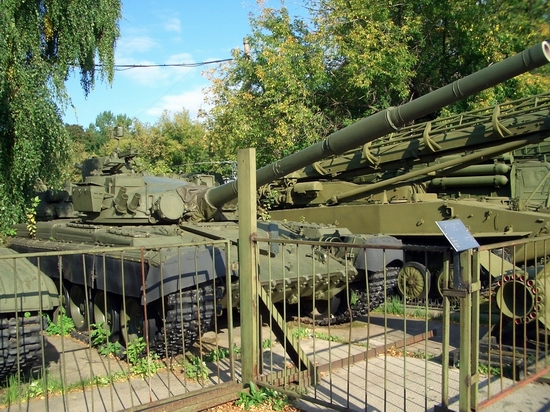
pixel 465 373
pixel 476 301
pixel 248 269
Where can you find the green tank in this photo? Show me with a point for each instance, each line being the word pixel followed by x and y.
pixel 119 207
pixel 487 167
pixel 25 293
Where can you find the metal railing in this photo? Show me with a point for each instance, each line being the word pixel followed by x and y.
pixel 128 347
pixel 515 280
pixel 332 324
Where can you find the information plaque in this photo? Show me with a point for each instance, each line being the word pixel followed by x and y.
pixel 457 234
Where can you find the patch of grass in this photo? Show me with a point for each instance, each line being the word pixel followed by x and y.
pixel 396 307
pixel 16 391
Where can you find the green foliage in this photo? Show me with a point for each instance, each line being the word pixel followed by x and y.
pixel 30 213
pixel 395 306
pixel 216 355
pixel 142 365
pixel 63 326
pixel 15 390
pixel 327 337
pixel 195 368
pixel 41 44
pixel 301 333
pixel 309 76
pixel 261 396
pixel 99 336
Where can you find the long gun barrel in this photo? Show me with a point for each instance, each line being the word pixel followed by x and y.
pixel 384 122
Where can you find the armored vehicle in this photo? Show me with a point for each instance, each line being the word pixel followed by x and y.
pixel 164 289
pixel 474 166
pixel 487 167
pixel 25 293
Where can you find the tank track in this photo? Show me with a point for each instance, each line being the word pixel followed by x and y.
pixel 21 335
pixel 365 302
pixel 184 322
pixel 182 319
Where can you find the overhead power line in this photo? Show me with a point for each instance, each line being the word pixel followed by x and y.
pixel 122 67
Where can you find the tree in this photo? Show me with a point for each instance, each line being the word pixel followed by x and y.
pixel 103 129
pixel 268 98
pixel 41 43
pixel 306 77
pixel 174 144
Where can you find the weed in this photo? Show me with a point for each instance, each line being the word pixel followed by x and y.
pixel 400 353
pixel 195 368
pixel 301 333
pixel 353 298
pixel 63 326
pixel 325 336
pixel 266 344
pixel 142 365
pixel 99 337
pixel 261 396
pixel 216 355
pixel 485 370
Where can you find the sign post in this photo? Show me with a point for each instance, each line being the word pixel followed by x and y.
pixel 466 287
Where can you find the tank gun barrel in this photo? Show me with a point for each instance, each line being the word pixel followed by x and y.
pixel 384 122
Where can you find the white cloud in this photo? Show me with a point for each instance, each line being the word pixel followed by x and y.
pixel 136 44
pixel 180 58
pixel 191 100
pixel 173 24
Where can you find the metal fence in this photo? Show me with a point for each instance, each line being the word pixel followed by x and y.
pixel 513 307
pixel 331 325
pixel 79 333
pixel 370 350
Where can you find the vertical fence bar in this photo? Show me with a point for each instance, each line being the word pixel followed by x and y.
pixel 445 339
pixel 476 301
pixel 246 159
pixel 465 333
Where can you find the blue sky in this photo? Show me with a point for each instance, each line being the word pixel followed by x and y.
pixel 165 32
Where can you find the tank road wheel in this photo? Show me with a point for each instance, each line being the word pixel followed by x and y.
pixel 413 280
pixel 77 307
pixel 131 320
pixel 107 314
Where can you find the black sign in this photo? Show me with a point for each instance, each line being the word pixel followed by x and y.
pixel 457 234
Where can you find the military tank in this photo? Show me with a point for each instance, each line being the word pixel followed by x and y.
pixel 488 167
pixel 25 294
pixel 165 290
